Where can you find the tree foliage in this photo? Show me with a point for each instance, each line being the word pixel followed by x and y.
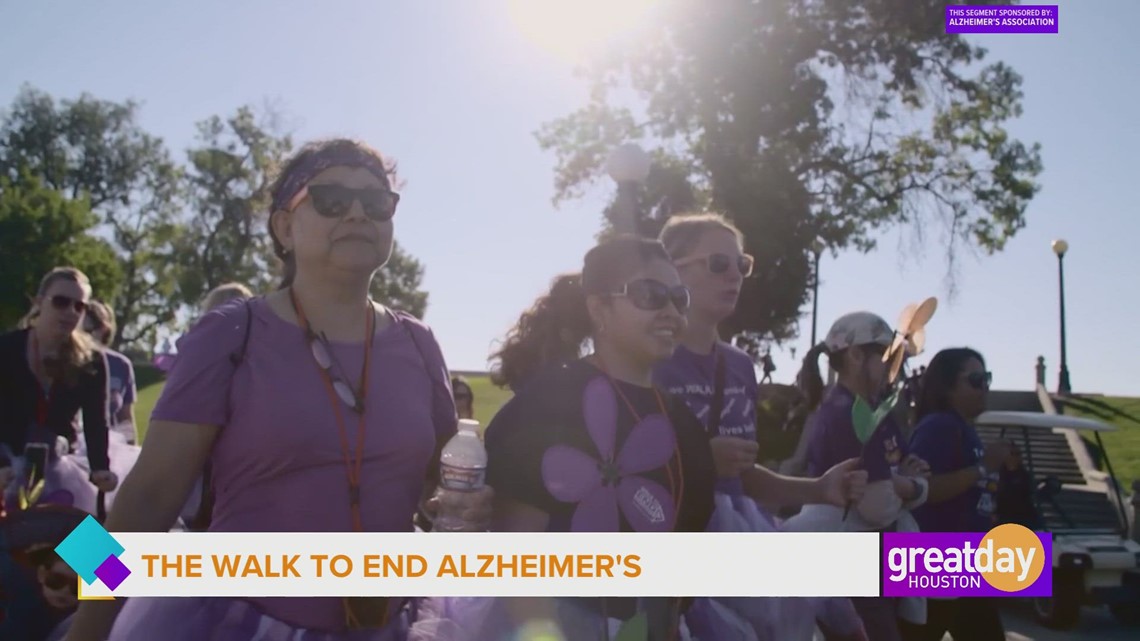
pixel 398 283
pixel 86 185
pixel 41 230
pixel 805 120
pixel 230 173
pixel 95 151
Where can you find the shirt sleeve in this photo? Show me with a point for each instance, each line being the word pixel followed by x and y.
pixel 935 441
pixel 516 441
pixel 94 404
pixel 444 416
pixel 197 387
pixel 129 391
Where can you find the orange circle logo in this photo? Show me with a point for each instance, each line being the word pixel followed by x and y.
pixel 1010 557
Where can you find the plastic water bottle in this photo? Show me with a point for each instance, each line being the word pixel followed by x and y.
pixel 462 467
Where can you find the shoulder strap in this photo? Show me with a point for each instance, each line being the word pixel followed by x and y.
pixel 717 405
pixel 205 513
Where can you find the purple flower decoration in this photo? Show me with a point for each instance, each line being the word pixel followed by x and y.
pixel 602 486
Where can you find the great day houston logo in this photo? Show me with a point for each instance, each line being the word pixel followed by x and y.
pixel 1009 560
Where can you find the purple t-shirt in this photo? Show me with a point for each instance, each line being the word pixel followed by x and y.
pixel 277 462
pixel 121 381
pixel 948 443
pixel 691 376
pixel 833 439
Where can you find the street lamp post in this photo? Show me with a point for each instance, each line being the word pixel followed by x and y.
pixel 1060 247
pixel 628 165
pixel 817 250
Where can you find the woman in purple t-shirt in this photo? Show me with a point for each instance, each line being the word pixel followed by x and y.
pixel 855 345
pixel 320 410
pixel 718 383
pixel 964 483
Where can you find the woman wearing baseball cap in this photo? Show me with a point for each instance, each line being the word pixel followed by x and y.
pixel 896 482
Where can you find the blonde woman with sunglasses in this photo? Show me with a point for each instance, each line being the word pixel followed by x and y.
pixel 718 382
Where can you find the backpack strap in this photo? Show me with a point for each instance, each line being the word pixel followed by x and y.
pixel 205 513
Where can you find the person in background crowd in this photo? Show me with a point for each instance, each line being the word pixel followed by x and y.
pixel 896 482
pixel 223 294
pixel 217 296
pixel 464 397
pixel 318 407
pixel 718 383
pixel 544 445
pixel 100 323
pixel 964 479
pixel 49 371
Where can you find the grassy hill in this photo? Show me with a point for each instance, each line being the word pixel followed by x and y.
pixel 1123 445
pixel 488 400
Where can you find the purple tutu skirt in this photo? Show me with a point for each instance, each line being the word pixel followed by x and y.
pixel 66 482
pixel 492 619
pixel 226 619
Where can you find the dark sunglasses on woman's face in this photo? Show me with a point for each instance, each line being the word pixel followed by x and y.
pixel 62 302
pixel 653 295
pixel 979 380
pixel 720 263
pixel 335 201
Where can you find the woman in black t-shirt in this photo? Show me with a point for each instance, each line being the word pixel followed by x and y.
pixel 588 444
pixel 49 371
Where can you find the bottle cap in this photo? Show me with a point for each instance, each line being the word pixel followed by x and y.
pixel 468 425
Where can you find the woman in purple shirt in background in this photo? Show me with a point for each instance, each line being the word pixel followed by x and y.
pixel 718 383
pixel 962 489
pixel 320 409
pixel 855 345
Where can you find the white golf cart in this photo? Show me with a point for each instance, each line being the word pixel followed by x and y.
pixel 1094 560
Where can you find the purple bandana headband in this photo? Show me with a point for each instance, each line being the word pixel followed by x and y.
pixel 314 164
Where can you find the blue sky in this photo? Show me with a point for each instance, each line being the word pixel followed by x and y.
pixel 454 91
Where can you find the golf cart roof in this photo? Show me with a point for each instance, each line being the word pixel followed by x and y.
pixel 1039 420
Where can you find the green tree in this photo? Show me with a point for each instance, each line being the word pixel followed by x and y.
pixel 398 284
pixel 230 173
pixel 811 119
pixel 95 150
pixel 40 230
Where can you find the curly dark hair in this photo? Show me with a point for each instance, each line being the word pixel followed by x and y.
pixel 554 329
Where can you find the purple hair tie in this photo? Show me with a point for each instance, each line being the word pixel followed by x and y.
pixel 315 163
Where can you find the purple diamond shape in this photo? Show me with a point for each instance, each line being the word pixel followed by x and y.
pixel 112 572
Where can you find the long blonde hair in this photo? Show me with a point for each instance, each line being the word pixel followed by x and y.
pixel 79 348
pixel 225 293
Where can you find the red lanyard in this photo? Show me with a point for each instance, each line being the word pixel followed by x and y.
pixel 43 398
pixel 352 463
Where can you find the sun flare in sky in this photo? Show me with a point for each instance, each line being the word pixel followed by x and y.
pixel 575 30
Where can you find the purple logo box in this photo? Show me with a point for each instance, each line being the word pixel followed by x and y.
pixel 1031 18
pixel 945 564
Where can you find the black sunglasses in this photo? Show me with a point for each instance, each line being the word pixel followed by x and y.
pixel 980 380
pixel 653 295
pixel 720 263
pixel 334 201
pixel 61 302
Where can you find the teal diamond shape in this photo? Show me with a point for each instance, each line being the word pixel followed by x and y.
pixel 87 547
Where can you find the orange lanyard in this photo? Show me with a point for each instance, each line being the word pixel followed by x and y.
pixel 352 463
pixel 677 486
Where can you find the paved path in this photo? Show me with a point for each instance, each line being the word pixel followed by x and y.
pixel 1096 624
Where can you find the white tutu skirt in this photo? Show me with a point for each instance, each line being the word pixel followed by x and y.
pixel 765 618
